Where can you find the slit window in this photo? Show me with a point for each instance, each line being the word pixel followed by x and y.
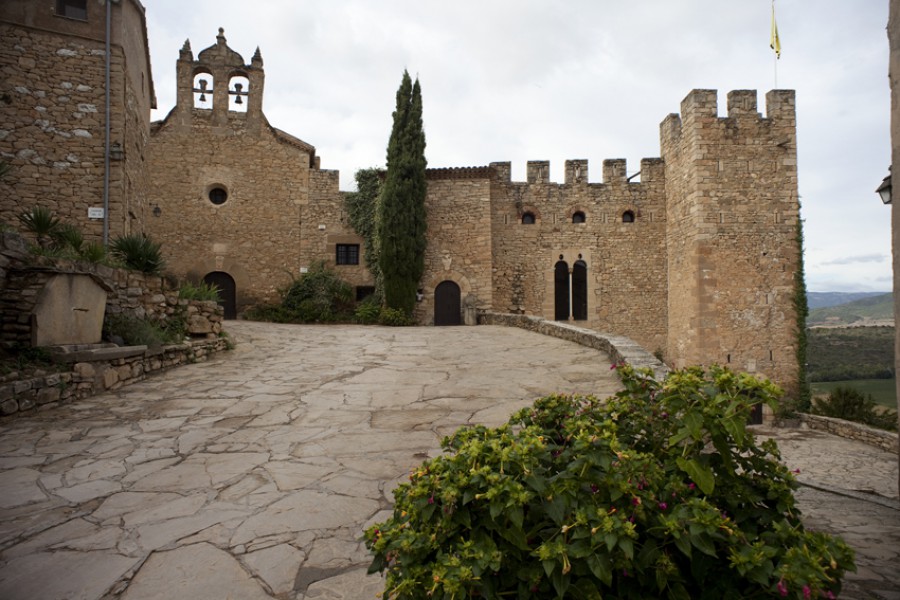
pixel 347 254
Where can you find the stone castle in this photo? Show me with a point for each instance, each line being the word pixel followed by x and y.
pixel 697 259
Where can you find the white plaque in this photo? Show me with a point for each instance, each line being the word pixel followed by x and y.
pixel 95 212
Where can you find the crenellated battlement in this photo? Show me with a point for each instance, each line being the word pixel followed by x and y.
pixel 615 171
pixel 700 107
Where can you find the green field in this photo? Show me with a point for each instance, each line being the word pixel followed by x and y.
pixel 883 390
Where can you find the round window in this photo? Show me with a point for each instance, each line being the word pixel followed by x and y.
pixel 218 195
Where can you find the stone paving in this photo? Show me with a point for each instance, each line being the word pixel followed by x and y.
pixel 252 476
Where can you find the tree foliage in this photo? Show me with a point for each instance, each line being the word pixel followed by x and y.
pixel 401 209
pixel 361 207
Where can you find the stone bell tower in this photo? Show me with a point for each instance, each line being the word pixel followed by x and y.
pixel 219 87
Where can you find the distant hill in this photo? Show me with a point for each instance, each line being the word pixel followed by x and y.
pixel 875 309
pixel 826 299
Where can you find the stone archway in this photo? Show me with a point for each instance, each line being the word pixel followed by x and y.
pixel 227 291
pixel 447 305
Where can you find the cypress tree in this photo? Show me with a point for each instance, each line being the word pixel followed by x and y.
pixel 401 208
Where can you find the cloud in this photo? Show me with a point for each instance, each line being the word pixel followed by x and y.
pixel 854 260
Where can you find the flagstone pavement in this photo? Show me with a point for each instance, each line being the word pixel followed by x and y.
pixel 253 475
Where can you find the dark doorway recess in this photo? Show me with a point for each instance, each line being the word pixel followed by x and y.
pixel 561 291
pixel 447 304
pixel 227 291
pixel 579 291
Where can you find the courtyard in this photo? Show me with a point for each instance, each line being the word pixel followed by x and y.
pixel 253 475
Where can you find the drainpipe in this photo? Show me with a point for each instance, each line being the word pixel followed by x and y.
pixel 107 140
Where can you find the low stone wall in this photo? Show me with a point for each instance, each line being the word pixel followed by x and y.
pixel 619 348
pixel 90 377
pixel 24 275
pixel 886 440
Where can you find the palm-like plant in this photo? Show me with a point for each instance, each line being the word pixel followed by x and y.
pixel 139 252
pixel 41 223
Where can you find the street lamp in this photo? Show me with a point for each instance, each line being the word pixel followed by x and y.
pixel 884 190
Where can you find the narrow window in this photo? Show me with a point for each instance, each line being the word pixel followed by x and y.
pixel 528 218
pixel 347 254
pixel 561 291
pixel 579 291
pixel 73 9
pixel 628 217
pixel 578 217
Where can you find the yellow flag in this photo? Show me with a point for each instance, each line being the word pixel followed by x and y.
pixel 774 42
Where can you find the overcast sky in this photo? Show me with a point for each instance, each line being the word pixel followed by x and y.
pixel 519 80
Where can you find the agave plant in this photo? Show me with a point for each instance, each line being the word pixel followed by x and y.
pixel 139 252
pixel 40 222
pixel 93 252
pixel 68 236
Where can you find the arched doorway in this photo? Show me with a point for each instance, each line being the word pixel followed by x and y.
pixel 561 291
pixel 447 307
pixel 227 291
pixel 579 291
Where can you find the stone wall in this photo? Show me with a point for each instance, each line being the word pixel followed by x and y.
pixel 733 215
pixel 44 390
pixel 619 348
pixel 886 440
pixel 52 113
pixel 625 261
pixel 23 276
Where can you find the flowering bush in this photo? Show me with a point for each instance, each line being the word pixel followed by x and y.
pixel 659 492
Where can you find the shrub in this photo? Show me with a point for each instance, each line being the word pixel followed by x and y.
pixel 318 296
pixel 93 252
pixel 68 237
pixel 139 252
pixel 202 291
pixel 394 317
pixel 661 492
pixel 140 332
pixel 852 405
pixel 368 311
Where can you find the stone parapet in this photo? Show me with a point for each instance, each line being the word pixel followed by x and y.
pixel 620 348
pixel 97 375
pixel 886 440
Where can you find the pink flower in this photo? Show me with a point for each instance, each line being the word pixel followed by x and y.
pixel 431 500
pixel 782 589
pixel 635 501
pixel 806 592
pixel 663 506
pixel 796 471
pixel 691 485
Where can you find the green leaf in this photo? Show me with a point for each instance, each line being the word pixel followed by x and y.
pixel 627 547
pixel 704 544
pixel 683 543
pixel 560 583
pixel 549 566
pixel 516 516
pixel 556 510
pixel 700 474
pixel 601 567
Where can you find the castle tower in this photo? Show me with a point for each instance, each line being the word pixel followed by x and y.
pixel 733 216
